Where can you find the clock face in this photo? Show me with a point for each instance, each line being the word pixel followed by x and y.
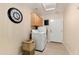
pixel 15 15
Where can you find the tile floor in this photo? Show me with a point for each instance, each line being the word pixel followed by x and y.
pixel 53 49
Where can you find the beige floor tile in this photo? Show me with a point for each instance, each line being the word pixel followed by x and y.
pixel 53 49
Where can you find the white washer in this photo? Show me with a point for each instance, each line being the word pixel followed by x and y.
pixel 39 38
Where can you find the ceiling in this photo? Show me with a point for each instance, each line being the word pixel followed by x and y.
pixel 47 8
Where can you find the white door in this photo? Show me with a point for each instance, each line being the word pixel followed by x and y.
pixel 55 30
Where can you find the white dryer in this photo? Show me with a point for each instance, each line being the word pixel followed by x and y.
pixel 39 38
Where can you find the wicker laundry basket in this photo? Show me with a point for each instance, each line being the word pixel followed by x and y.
pixel 28 47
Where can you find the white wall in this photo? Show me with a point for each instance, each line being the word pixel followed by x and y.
pixel 53 16
pixel 11 34
pixel 71 28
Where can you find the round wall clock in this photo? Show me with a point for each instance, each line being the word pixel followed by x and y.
pixel 15 15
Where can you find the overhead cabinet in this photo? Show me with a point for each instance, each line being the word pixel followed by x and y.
pixel 36 20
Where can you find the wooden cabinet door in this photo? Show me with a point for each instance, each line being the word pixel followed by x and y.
pixel 36 20
pixel 41 21
pixel 33 19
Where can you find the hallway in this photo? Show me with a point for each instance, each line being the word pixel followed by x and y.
pixel 53 49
